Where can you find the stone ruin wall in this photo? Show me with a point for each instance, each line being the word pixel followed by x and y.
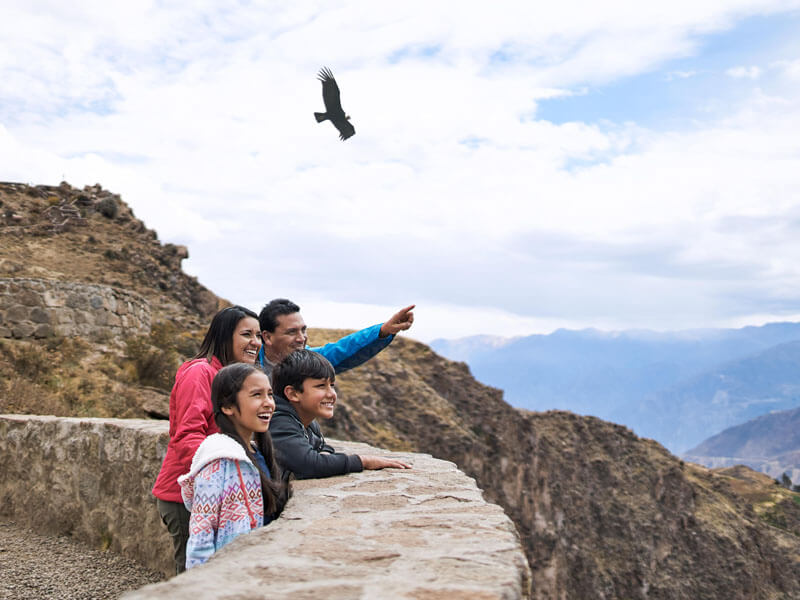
pixel 40 308
pixel 422 533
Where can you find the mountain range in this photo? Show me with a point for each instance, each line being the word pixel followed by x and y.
pixel 769 443
pixel 678 388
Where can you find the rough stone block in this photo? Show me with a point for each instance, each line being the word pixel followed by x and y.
pixel 52 298
pixel 39 315
pixel 78 301
pixel 22 330
pixel 43 330
pixel 29 297
pixel 16 313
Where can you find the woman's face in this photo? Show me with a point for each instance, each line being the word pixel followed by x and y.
pixel 246 341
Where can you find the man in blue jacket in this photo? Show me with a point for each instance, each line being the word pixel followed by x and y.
pixel 283 331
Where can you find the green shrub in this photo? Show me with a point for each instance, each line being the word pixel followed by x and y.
pixel 108 207
pixel 775 518
pixel 152 366
pixel 31 361
pixel 156 357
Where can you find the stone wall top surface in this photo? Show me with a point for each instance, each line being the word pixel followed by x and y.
pixel 422 533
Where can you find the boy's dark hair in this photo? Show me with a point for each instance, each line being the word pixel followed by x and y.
pixel 226 385
pixel 268 318
pixel 299 366
pixel 219 337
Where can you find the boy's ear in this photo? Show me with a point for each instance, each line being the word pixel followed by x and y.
pixel 291 394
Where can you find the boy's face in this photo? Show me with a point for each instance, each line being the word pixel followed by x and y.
pixel 315 401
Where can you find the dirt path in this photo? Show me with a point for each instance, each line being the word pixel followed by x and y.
pixel 38 566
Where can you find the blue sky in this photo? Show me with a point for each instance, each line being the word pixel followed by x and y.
pixel 679 92
pixel 516 168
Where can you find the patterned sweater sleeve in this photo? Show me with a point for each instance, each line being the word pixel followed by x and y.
pixel 206 508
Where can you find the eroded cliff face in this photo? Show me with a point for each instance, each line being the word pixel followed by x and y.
pixel 602 513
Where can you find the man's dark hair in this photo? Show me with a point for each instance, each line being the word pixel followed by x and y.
pixel 299 366
pixel 268 318
pixel 219 337
pixel 224 391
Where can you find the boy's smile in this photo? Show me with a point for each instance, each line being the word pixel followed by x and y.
pixel 317 400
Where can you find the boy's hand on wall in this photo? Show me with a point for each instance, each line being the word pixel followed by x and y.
pixel 372 463
pixel 400 321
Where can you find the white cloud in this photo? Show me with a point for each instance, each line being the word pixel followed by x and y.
pixel 751 72
pixel 672 75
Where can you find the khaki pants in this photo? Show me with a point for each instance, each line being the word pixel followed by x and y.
pixel 176 518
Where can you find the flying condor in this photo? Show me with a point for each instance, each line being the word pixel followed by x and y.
pixel 333 105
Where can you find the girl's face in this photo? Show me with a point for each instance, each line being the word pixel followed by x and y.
pixel 254 406
pixel 246 341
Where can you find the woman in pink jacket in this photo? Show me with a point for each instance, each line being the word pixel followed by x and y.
pixel 233 336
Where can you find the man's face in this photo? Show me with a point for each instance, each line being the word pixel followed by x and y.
pixel 289 335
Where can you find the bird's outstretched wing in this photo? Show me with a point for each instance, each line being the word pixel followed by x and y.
pixel 330 92
pixel 345 128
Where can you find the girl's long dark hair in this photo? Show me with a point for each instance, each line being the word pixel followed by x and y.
pixel 226 385
pixel 219 337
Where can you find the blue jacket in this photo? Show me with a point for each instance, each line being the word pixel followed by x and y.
pixel 346 353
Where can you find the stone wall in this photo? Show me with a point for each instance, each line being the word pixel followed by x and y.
pixel 38 308
pixel 422 533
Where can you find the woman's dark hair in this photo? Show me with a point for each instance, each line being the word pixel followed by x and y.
pixel 226 385
pixel 219 337
pixel 299 366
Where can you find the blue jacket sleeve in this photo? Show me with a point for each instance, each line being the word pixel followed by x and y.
pixel 354 349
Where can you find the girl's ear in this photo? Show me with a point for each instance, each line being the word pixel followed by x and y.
pixel 228 410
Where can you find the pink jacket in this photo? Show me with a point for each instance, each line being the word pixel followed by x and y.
pixel 191 420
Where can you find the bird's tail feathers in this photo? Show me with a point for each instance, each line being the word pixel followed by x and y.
pixel 320 116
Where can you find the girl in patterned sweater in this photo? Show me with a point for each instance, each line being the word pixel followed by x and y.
pixel 234 484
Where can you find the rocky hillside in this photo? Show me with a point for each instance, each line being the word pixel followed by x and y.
pixel 601 512
pixel 92 236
